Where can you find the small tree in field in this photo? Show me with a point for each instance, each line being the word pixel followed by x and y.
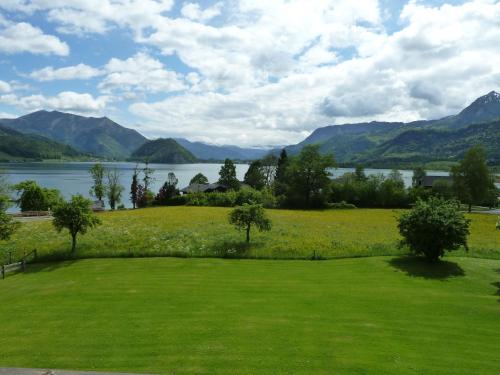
pixel 245 216
pixel 76 216
pixel 98 188
pixel 434 226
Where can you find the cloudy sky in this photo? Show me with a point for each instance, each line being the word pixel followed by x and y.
pixel 247 72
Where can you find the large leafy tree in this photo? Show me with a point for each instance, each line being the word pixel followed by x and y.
pixel 245 216
pixel 255 176
pixel 114 189
pixel 471 178
pixel 308 177
pixel 227 175
pixel 199 178
pixel 33 197
pixel 76 216
pixel 98 188
pixel 433 227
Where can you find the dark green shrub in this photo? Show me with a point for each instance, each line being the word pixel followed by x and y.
pixel 433 227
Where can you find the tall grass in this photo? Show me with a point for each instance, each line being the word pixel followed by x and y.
pixel 205 232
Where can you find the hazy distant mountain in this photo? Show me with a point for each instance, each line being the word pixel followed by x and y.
pixel 98 136
pixel 163 150
pixel 17 146
pixel 205 151
pixel 379 142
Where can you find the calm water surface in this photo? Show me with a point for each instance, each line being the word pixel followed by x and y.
pixel 73 178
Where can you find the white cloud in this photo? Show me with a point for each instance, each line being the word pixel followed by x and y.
pixel 194 12
pixel 4 87
pixel 142 73
pixel 69 101
pixel 80 71
pixel 23 37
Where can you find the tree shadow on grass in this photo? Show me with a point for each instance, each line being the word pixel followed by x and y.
pixel 496 284
pixel 420 267
pixel 48 266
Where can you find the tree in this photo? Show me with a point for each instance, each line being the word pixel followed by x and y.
pixel 418 175
pixel 308 177
pixel 7 225
pixel 114 189
pixel 76 216
pixel 433 227
pixel 280 182
pixel 98 188
pixel 168 190
pixel 359 173
pixel 200 178
pixel 148 176
pixel 268 166
pixel 471 178
pixel 227 175
pixel 134 187
pixel 33 197
pixel 254 176
pixel 245 216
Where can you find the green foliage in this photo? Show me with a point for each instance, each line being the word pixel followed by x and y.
pixel 8 226
pixel 443 189
pixel 76 216
pixel 134 187
pixel 341 206
pixel 360 173
pixel 33 197
pixel 418 175
pixel 199 178
pixel 433 227
pixel 167 191
pixel 245 216
pixel 308 178
pixel 114 189
pixel 471 178
pixel 227 175
pixel 233 198
pixel 254 176
pixel 98 189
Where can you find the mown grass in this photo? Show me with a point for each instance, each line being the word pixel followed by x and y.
pixel 205 232
pixel 377 315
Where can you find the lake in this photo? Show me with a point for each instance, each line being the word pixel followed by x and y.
pixel 73 178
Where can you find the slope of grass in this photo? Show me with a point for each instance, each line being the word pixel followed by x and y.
pixel 377 315
pixel 204 231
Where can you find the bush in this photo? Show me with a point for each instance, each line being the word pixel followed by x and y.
pixel 434 226
pixel 342 205
pixel 233 198
pixel 179 200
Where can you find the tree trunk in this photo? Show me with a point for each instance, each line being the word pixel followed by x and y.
pixel 73 243
pixel 248 233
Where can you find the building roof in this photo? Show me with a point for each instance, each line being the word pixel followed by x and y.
pixel 428 181
pixel 203 188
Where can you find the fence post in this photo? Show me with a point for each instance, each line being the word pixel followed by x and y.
pixel 23 265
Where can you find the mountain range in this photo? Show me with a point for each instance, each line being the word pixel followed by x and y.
pixel 44 134
pixel 397 143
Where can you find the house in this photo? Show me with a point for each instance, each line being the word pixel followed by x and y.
pixel 98 206
pixel 428 181
pixel 204 188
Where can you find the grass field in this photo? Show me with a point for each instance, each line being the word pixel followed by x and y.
pixel 377 315
pixel 204 231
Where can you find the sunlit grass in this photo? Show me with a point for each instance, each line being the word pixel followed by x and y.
pixel 204 231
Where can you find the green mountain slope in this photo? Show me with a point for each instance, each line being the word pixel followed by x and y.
pixel 98 136
pixel 429 145
pixel 383 143
pixel 163 150
pixel 16 146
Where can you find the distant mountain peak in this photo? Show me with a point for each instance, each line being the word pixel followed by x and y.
pixel 491 97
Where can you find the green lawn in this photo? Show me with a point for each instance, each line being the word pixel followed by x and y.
pixel 377 315
pixel 204 231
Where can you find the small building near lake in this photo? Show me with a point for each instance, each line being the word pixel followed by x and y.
pixel 204 188
pixel 428 181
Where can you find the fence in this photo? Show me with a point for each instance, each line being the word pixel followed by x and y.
pixel 16 266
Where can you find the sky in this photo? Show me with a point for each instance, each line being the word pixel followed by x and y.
pixel 247 72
